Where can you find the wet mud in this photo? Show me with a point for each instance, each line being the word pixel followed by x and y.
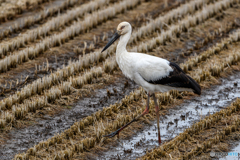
pixel 212 100
pixel 20 140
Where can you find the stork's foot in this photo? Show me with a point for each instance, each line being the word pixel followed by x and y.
pixel 113 134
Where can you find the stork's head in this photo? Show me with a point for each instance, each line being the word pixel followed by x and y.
pixel 123 28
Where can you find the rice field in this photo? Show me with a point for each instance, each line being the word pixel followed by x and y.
pixel 59 94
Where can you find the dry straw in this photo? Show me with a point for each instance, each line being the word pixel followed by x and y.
pixel 90 21
pixel 30 20
pixel 47 82
pixel 190 63
pixel 11 8
pixel 52 25
pixel 31 105
pixel 216 68
pixel 185 24
pixel 153 25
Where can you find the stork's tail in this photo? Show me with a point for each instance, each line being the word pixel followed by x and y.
pixel 195 86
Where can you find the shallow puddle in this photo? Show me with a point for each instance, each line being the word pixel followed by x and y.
pixel 19 140
pixel 178 119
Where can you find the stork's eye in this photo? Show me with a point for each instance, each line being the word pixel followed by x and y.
pixel 122 27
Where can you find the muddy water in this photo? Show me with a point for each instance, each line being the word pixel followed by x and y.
pixel 178 119
pixel 20 140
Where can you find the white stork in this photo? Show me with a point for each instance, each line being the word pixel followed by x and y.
pixel 154 74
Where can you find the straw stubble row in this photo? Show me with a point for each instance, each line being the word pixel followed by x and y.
pixel 31 20
pixel 221 61
pixel 19 110
pixel 90 21
pixel 191 62
pixel 11 8
pixel 52 25
pixel 188 22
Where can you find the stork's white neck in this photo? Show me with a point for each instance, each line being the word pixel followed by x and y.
pixel 121 47
pixel 122 56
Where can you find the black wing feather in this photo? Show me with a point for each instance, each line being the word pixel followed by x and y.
pixel 177 78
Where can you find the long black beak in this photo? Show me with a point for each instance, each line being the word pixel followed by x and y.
pixel 113 39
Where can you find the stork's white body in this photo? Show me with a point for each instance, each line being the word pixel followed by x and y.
pixel 152 73
pixel 140 67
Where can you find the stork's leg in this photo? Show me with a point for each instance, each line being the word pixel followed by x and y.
pixel 157 114
pixel 135 119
